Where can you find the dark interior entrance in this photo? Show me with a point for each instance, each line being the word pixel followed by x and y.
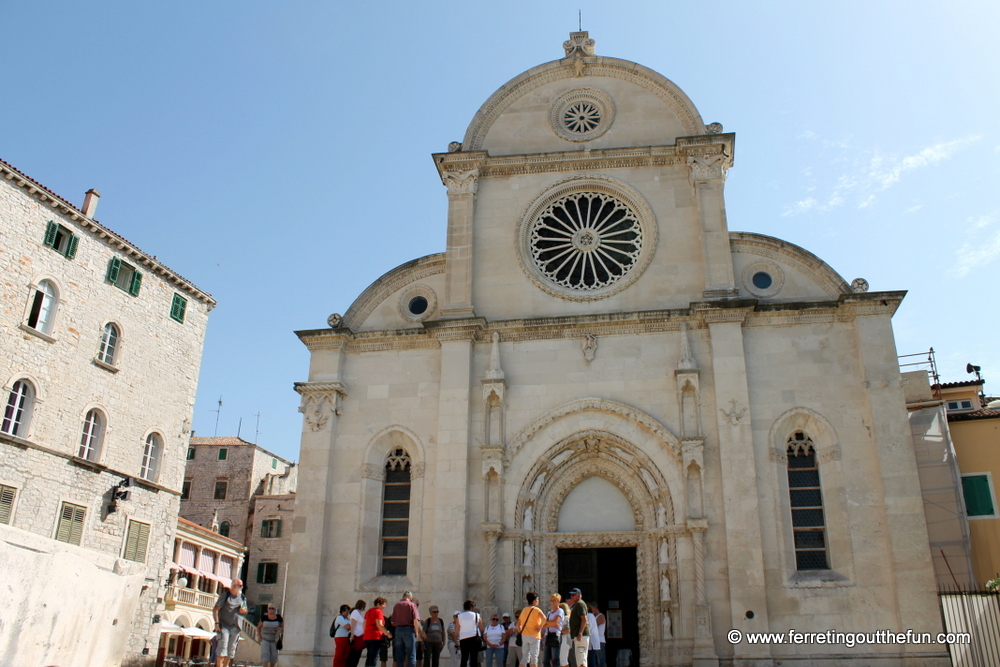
pixel 608 576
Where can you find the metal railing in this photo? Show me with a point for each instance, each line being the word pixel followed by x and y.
pixel 977 613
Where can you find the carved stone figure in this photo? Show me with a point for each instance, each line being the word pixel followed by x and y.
pixel 664 552
pixel 538 483
pixel 529 554
pixel 665 588
pixel 667 634
pixel 589 347
pixel 529 520
pixel 661 516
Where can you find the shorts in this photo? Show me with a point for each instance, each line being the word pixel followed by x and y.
pixel 269 651
pixel 229 637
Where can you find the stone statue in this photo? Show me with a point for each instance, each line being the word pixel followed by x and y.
pixel 661 516
pixel 529 519
pixel 538 483
pixel 664 588
pixel 664 552
pixel 666 626
pixel 529 554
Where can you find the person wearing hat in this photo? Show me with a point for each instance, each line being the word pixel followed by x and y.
pixel 578 630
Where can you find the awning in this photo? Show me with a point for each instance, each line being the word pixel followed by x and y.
pixel 168 628
pixel 198 633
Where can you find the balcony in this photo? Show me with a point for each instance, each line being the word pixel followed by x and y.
pixel 191 597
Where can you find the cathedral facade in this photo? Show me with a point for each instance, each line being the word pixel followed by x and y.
pixel 598 384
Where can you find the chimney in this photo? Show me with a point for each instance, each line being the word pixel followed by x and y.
pixel 90 202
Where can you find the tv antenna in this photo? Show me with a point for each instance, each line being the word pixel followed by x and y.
pixel 579 18
pixel 257 433
pixel 217 412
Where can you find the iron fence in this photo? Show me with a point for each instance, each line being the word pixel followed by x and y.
pixel 976 613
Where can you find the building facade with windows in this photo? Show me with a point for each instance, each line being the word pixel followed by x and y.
pixel 102 348
pixel 598 384
pixel 246 493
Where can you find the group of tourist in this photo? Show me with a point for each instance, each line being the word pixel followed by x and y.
pixel 569 634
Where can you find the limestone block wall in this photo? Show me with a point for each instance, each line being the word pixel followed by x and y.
pixel 271 549
pixel 149 386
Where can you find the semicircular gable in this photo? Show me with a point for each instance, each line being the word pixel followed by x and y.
pixel 594 66
pixel 796 257
pixel 388 284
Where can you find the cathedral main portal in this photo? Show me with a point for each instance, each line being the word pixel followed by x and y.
pixel 607 576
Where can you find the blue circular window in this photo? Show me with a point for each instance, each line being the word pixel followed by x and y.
pixel 762 280
pixel 418 305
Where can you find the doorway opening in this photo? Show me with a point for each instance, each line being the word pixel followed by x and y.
pixel 609 576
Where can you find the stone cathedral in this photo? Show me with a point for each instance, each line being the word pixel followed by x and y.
pixel 598 384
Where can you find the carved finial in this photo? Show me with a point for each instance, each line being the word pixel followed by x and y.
pixel 495 372
pixel 334 320
pixel 714 128
pixel 859 285
pixel 579 43
pixel 454 146
pixel 686 362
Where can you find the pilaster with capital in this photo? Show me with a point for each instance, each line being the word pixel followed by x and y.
pixel 708 164
pixel 460 173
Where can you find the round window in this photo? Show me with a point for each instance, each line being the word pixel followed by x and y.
pixel 587 238
pixel 418 305
pixel 762 280
pixel 582 114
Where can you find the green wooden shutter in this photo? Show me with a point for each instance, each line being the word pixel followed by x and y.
pixel 260 573
pixel 263 528
pixel 71 246
pixel 70 524
pixel 7 495
pixel 51 231
pixel 114 268
pixel 137 541
pixel 978 501
pixel 178 307
pixel 277 530
pixel 133 289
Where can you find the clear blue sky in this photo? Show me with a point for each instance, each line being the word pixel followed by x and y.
pixel 277 154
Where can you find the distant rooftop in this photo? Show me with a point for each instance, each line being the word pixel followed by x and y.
pixel 233 441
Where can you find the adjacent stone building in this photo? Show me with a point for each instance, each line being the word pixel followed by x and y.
pixel 102 346
pixel 598 384
pixel 246 493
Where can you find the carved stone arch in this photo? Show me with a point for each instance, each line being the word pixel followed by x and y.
pixel 589 453
pixel 812 423
pixel 654 428
pixel 384 442
pixel 36 386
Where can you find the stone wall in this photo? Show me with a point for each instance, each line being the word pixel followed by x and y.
pixel 148 388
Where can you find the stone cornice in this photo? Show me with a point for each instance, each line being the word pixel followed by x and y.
pixel 56 203
pixel 749 312
pixel 580 160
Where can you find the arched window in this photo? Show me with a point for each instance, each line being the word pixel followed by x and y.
pixel 395 512
pixel 808 522
pixel 43 307
pixel 151 456
pixel 109 344
pixel 93 435
pixel 18 413
pixel 224 528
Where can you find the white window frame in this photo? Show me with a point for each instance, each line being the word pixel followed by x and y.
pixel 46 295
pixel 95 426
pixel 111 339
pixel 152 453
pixel 993 497
pixel 19 408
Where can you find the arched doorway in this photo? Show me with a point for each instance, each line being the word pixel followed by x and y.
pixel 596 512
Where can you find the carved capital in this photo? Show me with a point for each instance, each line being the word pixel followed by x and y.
pixel 492 531
pixel 693 450
pixel 492 460
pixel 319 401
pixel 697 525
pixel 708 167
pixel 464 182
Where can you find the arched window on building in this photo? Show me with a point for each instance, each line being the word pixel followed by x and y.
pixel 17 414
pixel 808 521
pixel 109 344
pixel 395 512
pixel 224 528
pixel 93 435
pixel 42 309
pixel 151 456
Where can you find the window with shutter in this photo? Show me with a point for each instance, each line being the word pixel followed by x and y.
pixel 43 307
pixel 124 276
pixel 978 495
pixel 70 527
pixel 178 307
pixel 7 496
pixel 61 239
pixel 136 541
pixel 270 528
pixel 267 573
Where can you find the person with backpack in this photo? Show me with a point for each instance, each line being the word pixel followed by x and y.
pixel 434 635
pixel 340 630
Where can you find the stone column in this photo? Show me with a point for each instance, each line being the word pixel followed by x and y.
pixel 492 533
pixel 313 528
pixel 451 479
pixel 708 165
pixel 462 185
pixel 744 548
pixel 907 528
